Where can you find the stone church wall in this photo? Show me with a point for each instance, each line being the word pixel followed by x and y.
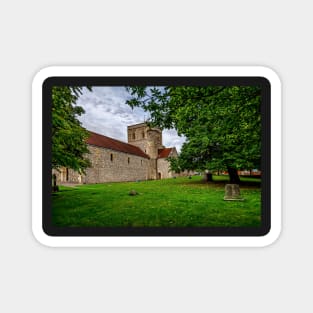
pixel 114 166
pixel 152 169
pixel 164 169
pixel 66 175
pixel 107 166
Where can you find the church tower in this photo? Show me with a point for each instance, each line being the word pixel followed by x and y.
pixel 149 140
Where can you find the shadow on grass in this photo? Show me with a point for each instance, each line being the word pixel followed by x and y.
pixel 222 182
pixel 62 191
pixel 250 183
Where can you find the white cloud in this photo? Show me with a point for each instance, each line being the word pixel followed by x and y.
pixel 107 113
pixel 171 139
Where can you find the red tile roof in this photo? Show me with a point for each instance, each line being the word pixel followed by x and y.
pixel 164 153
pixel 113 144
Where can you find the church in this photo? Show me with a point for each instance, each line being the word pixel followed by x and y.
pixel 143 157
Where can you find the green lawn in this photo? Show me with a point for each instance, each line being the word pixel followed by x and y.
pixel 180 202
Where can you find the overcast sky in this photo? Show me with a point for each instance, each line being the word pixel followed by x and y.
pixel 107 113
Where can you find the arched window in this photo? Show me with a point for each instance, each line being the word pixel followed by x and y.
pixel 128 160
pixel 111 157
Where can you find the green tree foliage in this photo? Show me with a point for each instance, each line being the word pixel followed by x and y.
pixel 69 146
pixel 222 124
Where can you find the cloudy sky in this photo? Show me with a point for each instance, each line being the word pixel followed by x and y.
pixel 107 113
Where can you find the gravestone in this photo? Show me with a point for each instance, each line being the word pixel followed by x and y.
pixel 208 177
pixel 232 193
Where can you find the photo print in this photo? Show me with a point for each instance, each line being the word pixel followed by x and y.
pixel 150 157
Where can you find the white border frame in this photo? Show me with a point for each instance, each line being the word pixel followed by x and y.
pixel 145 241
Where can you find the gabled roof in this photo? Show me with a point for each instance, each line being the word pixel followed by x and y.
pixel 164 153
pixel 113 144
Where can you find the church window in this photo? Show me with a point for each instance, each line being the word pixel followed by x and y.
pixel 111 157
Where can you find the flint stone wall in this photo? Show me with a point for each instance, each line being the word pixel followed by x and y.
pixel 123 166
pixel 64 175
pixel 164 169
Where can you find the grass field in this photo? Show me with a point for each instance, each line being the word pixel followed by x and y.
pixel 180 202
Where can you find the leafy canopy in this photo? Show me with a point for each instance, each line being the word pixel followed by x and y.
pixel 69 146
pixel 222 124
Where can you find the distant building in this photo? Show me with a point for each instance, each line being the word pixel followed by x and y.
pixel 143 157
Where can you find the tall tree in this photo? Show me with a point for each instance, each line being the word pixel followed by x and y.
pixel 69 146
pixel 222 124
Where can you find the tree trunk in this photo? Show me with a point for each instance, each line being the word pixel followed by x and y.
pixel 233 175
pixel 55 187
pixel 208 177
